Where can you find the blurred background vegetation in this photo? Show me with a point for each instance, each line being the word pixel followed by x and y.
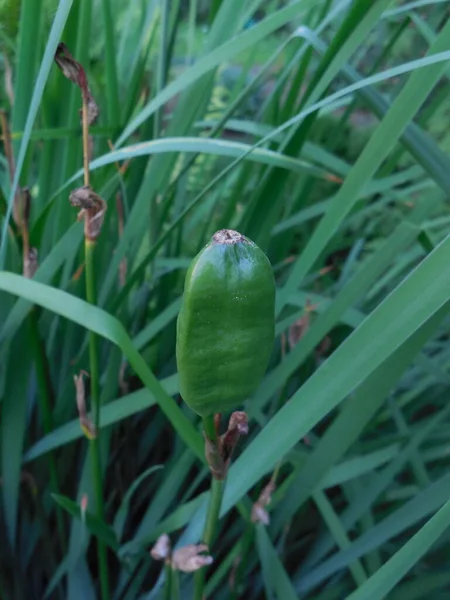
pixel 319 128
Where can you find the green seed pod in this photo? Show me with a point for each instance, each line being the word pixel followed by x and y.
pixel 226 325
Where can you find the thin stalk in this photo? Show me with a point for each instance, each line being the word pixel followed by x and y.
pixel 212 516
pixel 91 297
pixel 210 428
pixel 85 125
pixel 89 247
pixel 175 585
pixel 168 585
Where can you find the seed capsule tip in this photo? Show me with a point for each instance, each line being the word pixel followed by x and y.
pixel 229 236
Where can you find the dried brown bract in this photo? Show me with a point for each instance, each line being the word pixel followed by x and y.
pixel 74 71
pixel 30 263
pixel 299 329
pixel 86 424
pixel 93 209
pixel 218 454
pixel 259 512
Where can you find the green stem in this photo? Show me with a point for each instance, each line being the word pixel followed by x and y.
pixel 212 516
pixel 168 585
pixel 175 585
pixel 210 428
pixel 89 247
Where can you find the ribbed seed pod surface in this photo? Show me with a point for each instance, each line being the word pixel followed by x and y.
pixel 226 325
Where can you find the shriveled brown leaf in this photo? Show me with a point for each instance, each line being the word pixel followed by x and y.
pixel 68 65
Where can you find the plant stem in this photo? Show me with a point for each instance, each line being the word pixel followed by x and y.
pixel 175 585
pixel 212 516
pixel 168 585
pixel 85 125
pixel 94 445
pixel 89 247
pixel 210 428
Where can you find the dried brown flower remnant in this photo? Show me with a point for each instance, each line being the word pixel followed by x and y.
pixel 216 463
pixel 7 144
pixel 299 329
pixel 187 559
pixel 162 549
pixel 259 512
pixel 92 109
pixel 218 454
pixel 68 65
pixel 30 263
pixel 86 424
pixel 93 209
pixel 190 558
pixel 84 503
pixel 74 71
pixel 237 426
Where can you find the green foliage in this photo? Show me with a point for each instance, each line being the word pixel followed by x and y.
pixel 318 129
